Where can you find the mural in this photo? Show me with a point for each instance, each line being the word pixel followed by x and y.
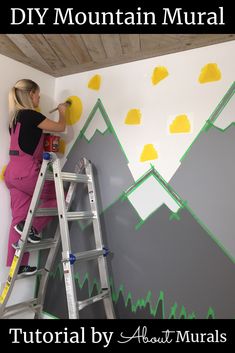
pixel 180 125
pixel 171 243
pixel 74 110
pixel 210 73
pixel 206 177
pixel 149 153
pixel 133 117
pixel 159 73
pixel 95 83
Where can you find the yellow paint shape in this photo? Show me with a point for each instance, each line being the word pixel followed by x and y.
pixel 148 153
pixel 159 73
pixel 133 117
pixel 38 109
pixel 95 82
pixel 180 124
pixel 74 111
pixel 62 146
pixel 2 173
pixel 210 73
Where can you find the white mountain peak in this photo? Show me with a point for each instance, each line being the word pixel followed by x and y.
pixel 97 123
pixel 149 195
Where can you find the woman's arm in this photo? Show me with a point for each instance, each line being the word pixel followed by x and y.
pixel 53 126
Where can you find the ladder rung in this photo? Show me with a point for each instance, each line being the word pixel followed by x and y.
pixel 20 307
pixel 42 212
pixel 72 216
pixel 88 255
pixel 44 244
pixel 79 178
pixel 22 275
pixel 82 304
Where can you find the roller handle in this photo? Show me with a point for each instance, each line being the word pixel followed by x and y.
pixel 54 110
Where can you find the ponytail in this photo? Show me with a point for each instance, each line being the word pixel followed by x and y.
pixel 19 98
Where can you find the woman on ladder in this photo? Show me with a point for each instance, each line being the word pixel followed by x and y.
pixel 26 149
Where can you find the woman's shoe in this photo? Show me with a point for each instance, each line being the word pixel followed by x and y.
pixel 27 270
pixel 33 236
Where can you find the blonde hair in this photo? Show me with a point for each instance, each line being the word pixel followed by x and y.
pixel 19 97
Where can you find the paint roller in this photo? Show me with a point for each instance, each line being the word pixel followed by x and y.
pixel 67 102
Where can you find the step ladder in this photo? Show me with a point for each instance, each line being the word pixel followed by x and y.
pixel 51 170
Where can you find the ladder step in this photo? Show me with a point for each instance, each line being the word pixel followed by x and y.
pixel 20 307
pixel 71 216
pixel 44 244
pixel 86 255
pixel 22 275
pixel 79 178
pixel 42 212
pixel 82 304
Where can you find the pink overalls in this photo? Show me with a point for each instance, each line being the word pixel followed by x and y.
pixel 20 177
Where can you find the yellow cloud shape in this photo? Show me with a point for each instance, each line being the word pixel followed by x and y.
pixel 2 173
pixel 133 117
pixel 148 153
pixel 210 73
pixel 159 73
pixel 95 82
pixel 180 124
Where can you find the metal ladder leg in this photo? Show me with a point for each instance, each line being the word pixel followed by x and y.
pixel 102 264
pixel 13 273
pixel 65 239
pixel 53 252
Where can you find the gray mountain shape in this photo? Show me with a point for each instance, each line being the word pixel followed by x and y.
pixel 174 256
pixel 206 180
pixel 111 172
pixel 197 274
pixel 59 306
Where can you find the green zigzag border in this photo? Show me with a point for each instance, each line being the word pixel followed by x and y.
pixel 143 302
pixel 183 204
pixel 206 127
pixel 140 303
pixel 98 105
pixel 213 117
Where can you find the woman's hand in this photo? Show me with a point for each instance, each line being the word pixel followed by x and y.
pixel 52 126
pixel 62 108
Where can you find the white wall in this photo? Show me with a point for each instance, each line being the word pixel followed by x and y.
pixel 129 86
pixel 10 72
